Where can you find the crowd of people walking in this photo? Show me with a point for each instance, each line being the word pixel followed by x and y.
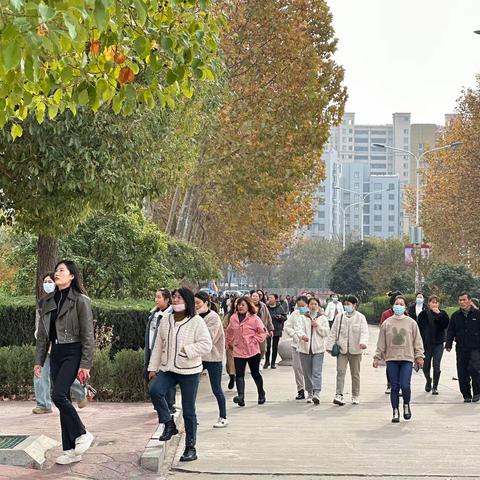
pixel 187 334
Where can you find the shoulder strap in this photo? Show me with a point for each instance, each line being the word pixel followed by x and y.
pixel 339 328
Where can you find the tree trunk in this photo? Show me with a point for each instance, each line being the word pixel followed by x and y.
pixel 47 253
pixel 170 228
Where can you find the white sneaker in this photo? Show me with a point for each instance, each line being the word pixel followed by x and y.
pixel 68 457
pixel 338 400
pixel 222 423
pixel 309 398
pixel 355 400
pixel 83 442
pixel 316 399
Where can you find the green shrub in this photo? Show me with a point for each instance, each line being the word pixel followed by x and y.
pixel 367 310
pixel 16 370
pixel 127 317
pixel 128 383
pixel 120 379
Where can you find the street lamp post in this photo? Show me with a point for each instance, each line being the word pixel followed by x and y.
pixel 364 196
pixel 417 234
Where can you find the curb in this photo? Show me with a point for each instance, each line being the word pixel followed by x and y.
pixel 155 451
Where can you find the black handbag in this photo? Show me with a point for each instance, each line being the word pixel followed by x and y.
pixel 336 347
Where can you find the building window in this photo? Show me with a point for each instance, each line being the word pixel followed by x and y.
pixel 405 131
pixel 391 186
pixel 377 218
pixel 361 157
pixel 356 174
pixel 391 229
pixel 366 230
pixel 379 132
pixel 378 165
pixel 377 207
pixel 361 140
pixel 379 140
pixel 377 228
pixel 361 132
pixel 377 186
pixel 361 149
pixel 391 218
pixel 356 186
pixel 391 207
pixel 378 196
pixel 391 196
pixel 321 214
pixel 405 166
pixel 322 227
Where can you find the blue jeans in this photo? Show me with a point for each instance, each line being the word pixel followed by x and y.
pixel 214 370
pixel 43 389
pixel 400 374
pixel 159 391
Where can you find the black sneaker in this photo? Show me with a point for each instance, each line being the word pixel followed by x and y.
pixel 273 366
pixel 300 395
pixel 239 400
pixel 231 382
pixel 266 365
pixel 476 398
pixel 434 391
pixel 428 386
pixel 467 399
pixel 261 398
pixel 396 416
pixel 407 413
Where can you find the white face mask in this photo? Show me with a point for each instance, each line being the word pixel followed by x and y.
pixel 179 308
pixel 49 287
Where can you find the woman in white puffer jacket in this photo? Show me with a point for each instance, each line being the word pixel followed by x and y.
pixel 350 332
pixel 312 330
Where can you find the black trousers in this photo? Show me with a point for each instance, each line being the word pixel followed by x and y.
pixel 468 371
pixel 64 365
pixel 272 346
pixel 254 365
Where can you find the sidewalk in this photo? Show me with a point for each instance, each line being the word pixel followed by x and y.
pixel 121 429
pixel 295 440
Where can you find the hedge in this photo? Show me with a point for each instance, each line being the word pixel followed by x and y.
pixel 127 317
pixel 117 379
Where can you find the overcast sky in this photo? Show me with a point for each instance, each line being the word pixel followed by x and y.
pixel 406 55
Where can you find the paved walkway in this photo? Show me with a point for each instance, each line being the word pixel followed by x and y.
pixel 295 440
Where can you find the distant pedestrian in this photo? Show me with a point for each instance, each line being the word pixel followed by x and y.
pixel 163 300
pixel 230 363
pixel 66 325
pixel 417 307
pixel 400 345
pixel 387 314
pixel 264 314
pixel 261 294
pixel 247 332
pixel 182 340
pixel 289 327
pixel 433 323
pixel 279 316
pixel 312 330
pixel 213 361
pixel 350 332
pixel 333 309
pixel 464 328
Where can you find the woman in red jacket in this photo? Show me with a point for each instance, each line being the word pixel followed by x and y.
pixel 247 332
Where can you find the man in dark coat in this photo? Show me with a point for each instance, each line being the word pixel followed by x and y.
pixel 279 315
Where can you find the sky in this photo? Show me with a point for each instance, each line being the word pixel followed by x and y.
pixel 406 56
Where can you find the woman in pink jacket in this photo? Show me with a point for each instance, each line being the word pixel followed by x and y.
pixel 247 332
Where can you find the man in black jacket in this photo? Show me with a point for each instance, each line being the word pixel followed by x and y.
pixel 464 328
pixel 278 314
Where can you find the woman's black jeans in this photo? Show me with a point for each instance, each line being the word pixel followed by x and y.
pixel 64 365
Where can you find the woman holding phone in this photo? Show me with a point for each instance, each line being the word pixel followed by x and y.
pixel 66 324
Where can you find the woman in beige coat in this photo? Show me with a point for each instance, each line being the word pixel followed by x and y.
pixel 350 332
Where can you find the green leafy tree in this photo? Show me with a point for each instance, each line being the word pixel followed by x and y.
pixel 308 263
pixel 449 280
pixel 347 274
pixel 61 171
pixel 58 55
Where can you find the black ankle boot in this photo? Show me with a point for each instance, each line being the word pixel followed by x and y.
pixel 189 454
pixel 396 416
pixel 239 399
pixel 169 431
pixel 436 380
pixel 261 398
pixel 407 413
pixel 428 385
pixel 231 382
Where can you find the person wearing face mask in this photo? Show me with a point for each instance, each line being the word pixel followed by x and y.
pixel 41 384
pixel 400 345
pixel 334 308
pixel 182 340
pixel 433 323
pixel 247 332
pixel 350 332
pixel 162 307
pixel 418 307
pixel 301 308
pixel 279 316
pixel 312 329
pixel 213 361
